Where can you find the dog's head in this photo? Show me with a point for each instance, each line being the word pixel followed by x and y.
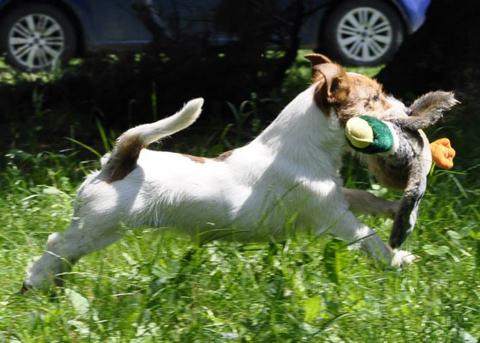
pixel 348 94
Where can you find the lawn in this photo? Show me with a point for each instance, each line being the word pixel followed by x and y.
pixel 154 286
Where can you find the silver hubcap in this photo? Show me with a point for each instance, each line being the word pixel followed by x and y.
pixel 364 34
pixel 36 41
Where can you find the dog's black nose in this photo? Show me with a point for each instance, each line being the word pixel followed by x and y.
pixel 408 111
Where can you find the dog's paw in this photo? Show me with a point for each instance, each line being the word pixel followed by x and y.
pixel 402 257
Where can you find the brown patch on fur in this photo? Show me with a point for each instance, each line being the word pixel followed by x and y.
pixel 220 158
pixel 223 156
pixel 124 161
pixel 319 97
pixel 196 159
pixel 393 177
pixel 366 97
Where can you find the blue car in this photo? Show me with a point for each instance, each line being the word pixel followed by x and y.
pixel 34 35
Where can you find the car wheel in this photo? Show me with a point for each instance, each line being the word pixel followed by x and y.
pixel 363 32
pixel 36 37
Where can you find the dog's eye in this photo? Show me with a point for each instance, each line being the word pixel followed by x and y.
pixel 376 97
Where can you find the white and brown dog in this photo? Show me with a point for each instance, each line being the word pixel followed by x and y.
pixel 288 174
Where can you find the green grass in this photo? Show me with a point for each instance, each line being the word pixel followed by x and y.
pixel 12 76
pixel 154 286
pixel 159 287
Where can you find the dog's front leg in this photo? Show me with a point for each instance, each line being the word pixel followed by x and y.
pixel 64 249
pixel 362 202
pixel 358 235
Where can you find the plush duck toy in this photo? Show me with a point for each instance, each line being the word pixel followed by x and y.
pixel 398 153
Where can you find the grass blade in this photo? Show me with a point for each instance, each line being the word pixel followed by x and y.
pixel 92 150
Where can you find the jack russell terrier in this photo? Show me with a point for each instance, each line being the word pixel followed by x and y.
pixel 289 173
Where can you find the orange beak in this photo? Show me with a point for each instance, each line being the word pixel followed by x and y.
pixel 442 153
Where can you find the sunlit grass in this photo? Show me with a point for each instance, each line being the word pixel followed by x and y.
pixel 12 76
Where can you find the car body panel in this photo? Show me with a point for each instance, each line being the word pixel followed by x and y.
pixel 3 3
pixel 108 23
pixel 113 23
pixel 415 10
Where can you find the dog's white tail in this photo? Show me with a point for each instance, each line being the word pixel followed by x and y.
pixel 149 133
pixel 123 158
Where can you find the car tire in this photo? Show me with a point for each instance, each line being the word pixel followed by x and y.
pixel 36 37
pixel 363 32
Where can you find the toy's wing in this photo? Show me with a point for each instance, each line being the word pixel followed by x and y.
pixel 427 110
pixel 406 217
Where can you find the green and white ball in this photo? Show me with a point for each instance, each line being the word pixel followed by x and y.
pixel 368 135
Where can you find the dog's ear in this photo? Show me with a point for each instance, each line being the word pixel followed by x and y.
pixel 336 85
pixel 317 59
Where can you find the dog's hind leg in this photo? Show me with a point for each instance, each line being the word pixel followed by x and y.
pixel 62 250
pixel 362 202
